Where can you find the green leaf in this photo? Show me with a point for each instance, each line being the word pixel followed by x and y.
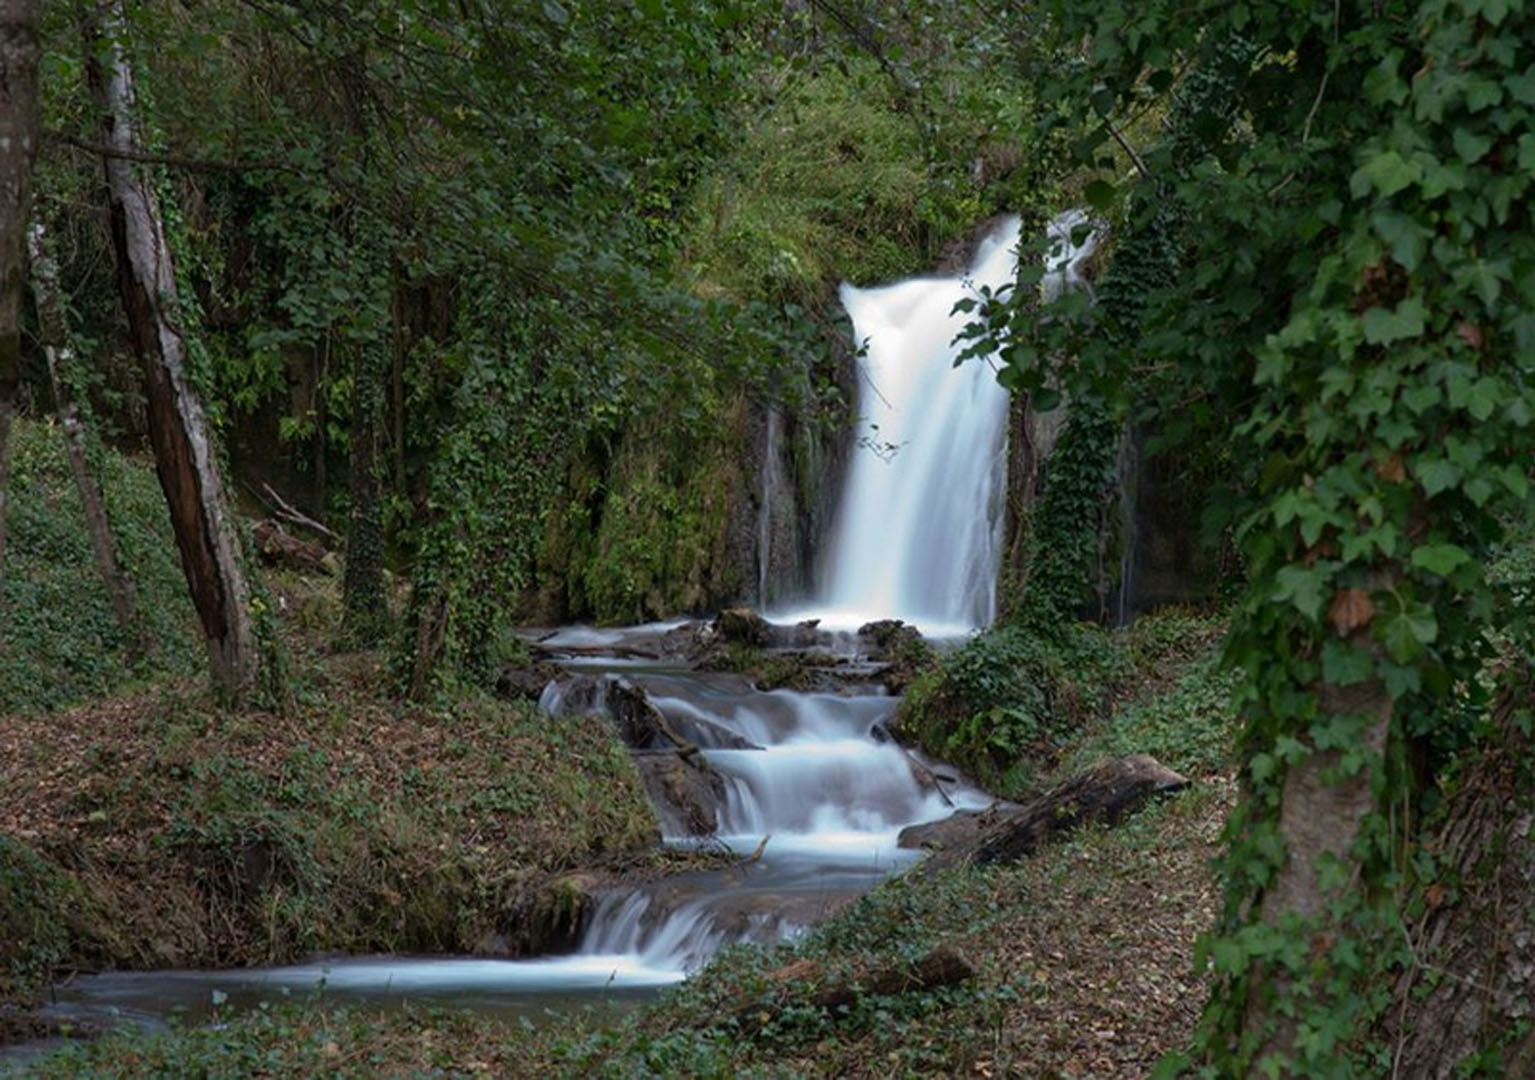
pixel 1387 172
pixel 1407 632
pixel 1407 239
pixel 1301 586
pixel 1099 194
pixel 1471 148
pixel 1436 475
pixel 1382 327
pixel 1344 664
pixel 1441 559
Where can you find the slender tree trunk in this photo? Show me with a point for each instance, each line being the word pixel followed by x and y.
pixel 363 586
pixel 19 20
pixel 121 589
pixel 178 430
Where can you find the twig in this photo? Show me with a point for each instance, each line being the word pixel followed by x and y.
pixel 177 161
pixel 755 855
pixel 1124 144
pixel 294 517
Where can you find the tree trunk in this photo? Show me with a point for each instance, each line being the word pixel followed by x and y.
pixel 363 588
pixel 19 21
pixel 1320 816
pixel 184 452
pixel 121 589
pixel 1472 978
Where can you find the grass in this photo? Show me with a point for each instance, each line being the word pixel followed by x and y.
pixel 199 838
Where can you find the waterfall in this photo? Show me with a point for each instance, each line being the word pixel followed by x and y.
pixel 919 532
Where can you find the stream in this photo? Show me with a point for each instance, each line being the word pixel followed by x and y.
pixel 815 794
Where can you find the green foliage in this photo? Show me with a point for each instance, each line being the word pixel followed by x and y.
pixel 1190 727
pixel 59 641
pixel 1000 705
pixel 38 912
pixel 1345 185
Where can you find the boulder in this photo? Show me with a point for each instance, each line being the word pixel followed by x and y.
pixel 574 695
pixel 685 791
pixel 526 681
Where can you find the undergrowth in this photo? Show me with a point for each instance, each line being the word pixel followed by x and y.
pixel 1013 706
pixel 195 837
pixel 59 641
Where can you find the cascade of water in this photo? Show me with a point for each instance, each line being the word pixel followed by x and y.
pixel 919 530
pixel 765 510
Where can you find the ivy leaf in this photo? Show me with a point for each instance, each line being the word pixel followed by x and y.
pixel 1441 559
pixel 1099 195
pixel 1387 172
pixel 1302 586
pixel 1344 664
pixel 1382 327
pixel 1407 239
pixel 1406 633
pixel 1436 475
pixel 1471 148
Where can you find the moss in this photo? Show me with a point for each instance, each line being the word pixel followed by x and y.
pixel 658 540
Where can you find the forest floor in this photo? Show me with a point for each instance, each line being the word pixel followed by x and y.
pixel 1083 954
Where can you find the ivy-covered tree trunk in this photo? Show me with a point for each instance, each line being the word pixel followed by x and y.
pixel 19 21
pixel 185 458
pixel 121 588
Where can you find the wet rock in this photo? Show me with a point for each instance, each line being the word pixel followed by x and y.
pixel 544 915
pixel 902 648
pixel 640 724
pixel 574 695
pixel 685 791
pixel 743 626
pixel 526 681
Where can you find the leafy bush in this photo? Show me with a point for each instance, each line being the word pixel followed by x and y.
pixel 1002 703
pixel 34 924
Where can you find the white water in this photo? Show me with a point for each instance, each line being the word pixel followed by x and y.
pixel 919 531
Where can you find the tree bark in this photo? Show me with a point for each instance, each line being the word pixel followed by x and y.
pixel 120 586
pixel 1472 977
pixel 178 430
pixel 1321 814
pixel 1006 833
pixel 363 586
pixel 19 24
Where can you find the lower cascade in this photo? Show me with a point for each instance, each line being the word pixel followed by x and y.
pixel 813 793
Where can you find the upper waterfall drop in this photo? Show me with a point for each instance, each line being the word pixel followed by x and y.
pixel 919 532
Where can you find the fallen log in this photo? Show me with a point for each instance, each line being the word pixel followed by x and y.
pixel 1002 834
pixel 278 547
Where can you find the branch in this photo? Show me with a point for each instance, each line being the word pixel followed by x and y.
pixel 287 513
pixel 1124 144
pixel 176 161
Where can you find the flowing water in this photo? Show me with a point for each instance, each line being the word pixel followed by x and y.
pixel 819 799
